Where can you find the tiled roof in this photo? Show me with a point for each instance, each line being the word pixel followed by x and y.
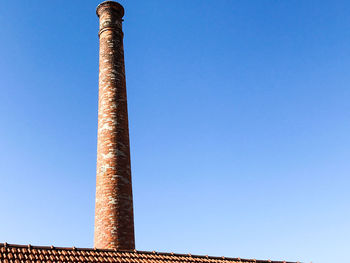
pixel 21 253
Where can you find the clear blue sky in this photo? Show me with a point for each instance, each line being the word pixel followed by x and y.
pixel 239 123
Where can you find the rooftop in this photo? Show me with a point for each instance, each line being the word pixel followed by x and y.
pixel 26 253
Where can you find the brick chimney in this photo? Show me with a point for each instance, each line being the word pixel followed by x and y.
pixel 114 219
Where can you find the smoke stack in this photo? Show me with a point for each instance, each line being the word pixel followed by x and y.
pixel 114 219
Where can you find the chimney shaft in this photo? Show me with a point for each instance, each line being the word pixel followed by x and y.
pixel 114 219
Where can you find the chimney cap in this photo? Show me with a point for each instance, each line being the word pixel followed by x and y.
pixel 118 8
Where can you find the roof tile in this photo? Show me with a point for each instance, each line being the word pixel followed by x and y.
pixel 20 254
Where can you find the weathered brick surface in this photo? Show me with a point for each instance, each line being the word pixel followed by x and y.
pixel 114 222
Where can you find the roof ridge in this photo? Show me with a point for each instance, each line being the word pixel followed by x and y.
pixel 170 254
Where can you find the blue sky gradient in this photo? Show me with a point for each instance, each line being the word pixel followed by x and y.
pixel 239 124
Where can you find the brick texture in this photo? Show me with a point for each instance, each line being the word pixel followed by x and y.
pixel 114 222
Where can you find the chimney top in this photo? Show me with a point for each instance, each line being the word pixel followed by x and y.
pixel 118 8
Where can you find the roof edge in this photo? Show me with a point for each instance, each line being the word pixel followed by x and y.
pixel 143 252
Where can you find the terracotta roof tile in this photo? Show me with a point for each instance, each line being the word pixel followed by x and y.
pixel 18 253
